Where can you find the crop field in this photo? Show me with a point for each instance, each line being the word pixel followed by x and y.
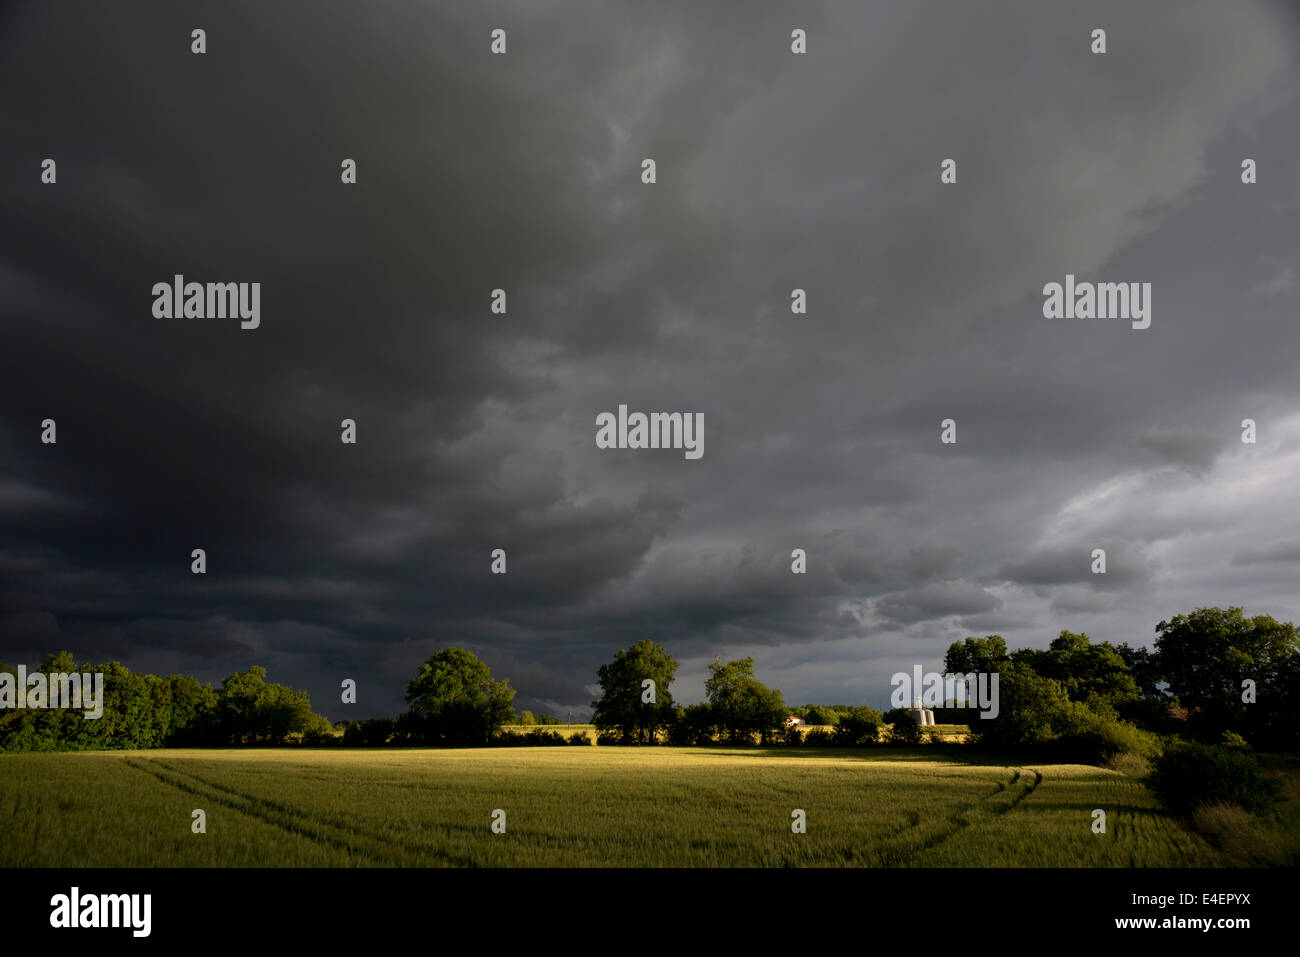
pixel 572 806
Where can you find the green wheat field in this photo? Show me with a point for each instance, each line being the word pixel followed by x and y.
pixel 574 807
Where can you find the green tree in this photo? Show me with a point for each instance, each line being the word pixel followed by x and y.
pixel 623 711
pixel 237 704
pixel 1028 707
pixel 1095 674
pixel 254 711
pixel 740 704
pixel 455 700
pixel 861 725
pixel 1206 655
pixel 973 655
pixel 1144 666
pixel 194 712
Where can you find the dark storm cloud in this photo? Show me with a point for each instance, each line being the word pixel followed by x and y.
pixel 1278 552
pixel 476 431
pixel 1065 566
pixel 1196 448
pixel 937 600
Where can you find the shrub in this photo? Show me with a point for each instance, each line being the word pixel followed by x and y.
pixel 860 726
pixel 823 715
pixel 1235 742
pixel 791 736
pixel 1129 765
pixel 905 731
pixel 679 732
pixel 694 724
pixel 527 739
pixel 579 738
pixel 1190 774
pixel 371 733
pixel 895 715
pixel 1240 838
pixel 1082 735
pixel 819 738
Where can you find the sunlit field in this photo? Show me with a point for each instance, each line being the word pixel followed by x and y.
pixel 573 806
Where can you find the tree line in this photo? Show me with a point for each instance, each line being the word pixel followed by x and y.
pixel 151 711
pixel 1212 675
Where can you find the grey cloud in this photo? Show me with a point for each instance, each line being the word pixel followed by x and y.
pixel 476 430
pixel 1196 448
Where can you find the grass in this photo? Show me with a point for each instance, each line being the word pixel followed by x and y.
pixel 573 807
pixel 1243 839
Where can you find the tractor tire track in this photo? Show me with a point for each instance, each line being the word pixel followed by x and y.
pixel 340 835
pixel 958 819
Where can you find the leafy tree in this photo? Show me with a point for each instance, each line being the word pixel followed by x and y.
pixel 455 700
pixel 621 713
pixel 193 712
pixel 976 655
pixel 1144 666
pixel 1090 673
pixel 741 705
pixel 822 715
pixel 254 711
pixel 1028 705
pixel 237 704
pixel 282 711
pixel 1206 655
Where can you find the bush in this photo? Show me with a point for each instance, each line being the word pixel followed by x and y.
pixel 905 731
pixel 579 738
pixel 819 738
pixel 1235 742
pixel 679 732
pixel 319 738
pixel 368 734
pixel 1129 765
pixel 694 724
pixel 527 739
pixel 860 726
pixel 895 715
pixel 1086 737
pixel 1190 774
pixel 822 715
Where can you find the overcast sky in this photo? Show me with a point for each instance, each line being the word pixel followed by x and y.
pixel 477 431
